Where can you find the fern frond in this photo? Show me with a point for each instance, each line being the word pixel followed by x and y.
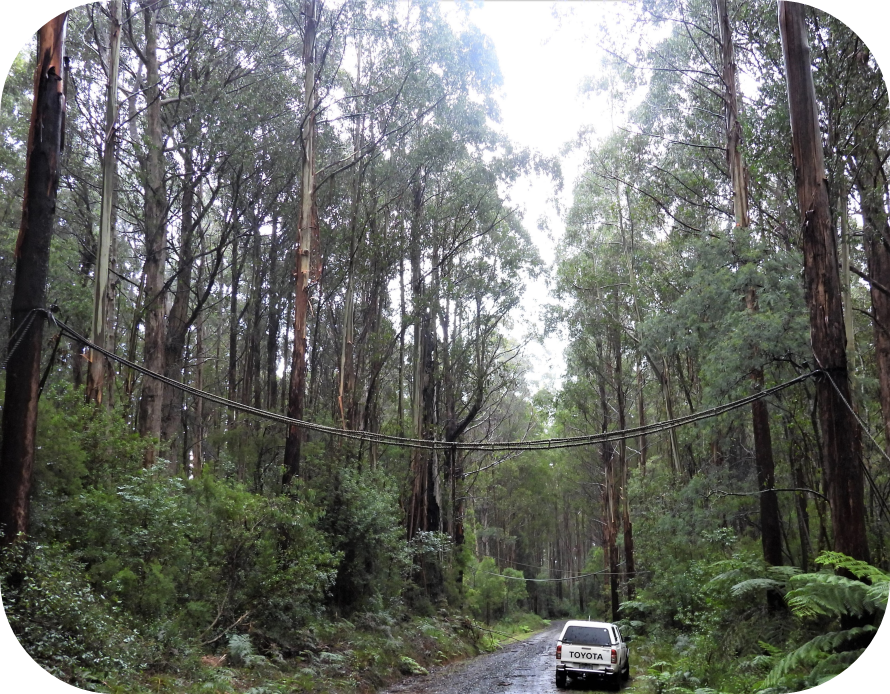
pixel 769 648
pixel 731 575
pixel 815 651
pixel 783 573
pixel 828 595
pixel 878 593
pixel 833 665
pixel 860 569
pixel 752 584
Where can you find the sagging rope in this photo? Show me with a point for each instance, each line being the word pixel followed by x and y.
pixel 435 445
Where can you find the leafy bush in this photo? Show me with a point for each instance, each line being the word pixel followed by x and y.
pixel 69 629
pixel 487 590
pixel 362 522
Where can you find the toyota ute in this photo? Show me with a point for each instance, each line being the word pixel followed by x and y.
pixel 591 651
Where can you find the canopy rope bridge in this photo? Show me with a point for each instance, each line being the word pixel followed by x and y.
pixel 427 444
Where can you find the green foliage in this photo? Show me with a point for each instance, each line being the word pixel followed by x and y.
pixel 180 557
pixel 80 445
pixel 409 666
pixel 824 656
pixel 362 523
pixel 486 589
pixel 241 652
pixel 71 629
pixel 516 591
pixel 827 595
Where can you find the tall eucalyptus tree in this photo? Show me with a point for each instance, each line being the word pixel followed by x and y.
pixel 46 139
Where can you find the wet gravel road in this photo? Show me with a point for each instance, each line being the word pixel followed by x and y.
pixel 521 668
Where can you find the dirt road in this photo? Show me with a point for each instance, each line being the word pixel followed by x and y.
pixel 520 668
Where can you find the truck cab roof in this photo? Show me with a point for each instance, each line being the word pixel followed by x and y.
pixel 590 633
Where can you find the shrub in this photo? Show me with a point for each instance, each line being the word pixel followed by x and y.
pixel 70 630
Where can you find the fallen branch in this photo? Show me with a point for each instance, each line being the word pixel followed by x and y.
pixel 476 626
pixel 763 491
pixel 227 630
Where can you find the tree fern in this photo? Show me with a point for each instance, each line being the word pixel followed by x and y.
pixel 823 594
pixel 830 595
pixel 817 650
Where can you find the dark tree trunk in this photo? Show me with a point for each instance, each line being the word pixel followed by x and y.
pixel 45 143
pixel 629 564
pixel 234 322
pixel 769 503
pixel 178 320
pixel 274 323
pixel 822 287
pixel 610 501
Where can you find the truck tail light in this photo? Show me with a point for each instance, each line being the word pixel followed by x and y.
pixel 559 651
pixel 614 656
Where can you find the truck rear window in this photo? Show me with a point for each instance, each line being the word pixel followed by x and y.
pixel 587 636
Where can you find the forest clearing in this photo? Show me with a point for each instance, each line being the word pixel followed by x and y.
pixel 275 415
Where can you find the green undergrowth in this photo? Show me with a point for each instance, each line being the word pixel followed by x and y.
pixel 362 655
pixel 513 627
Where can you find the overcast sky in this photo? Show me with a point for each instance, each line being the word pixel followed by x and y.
pixel 546 51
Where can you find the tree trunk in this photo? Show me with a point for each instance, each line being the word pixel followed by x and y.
pixel 669 410
pixel 308 228
pixel 770 522
pixel 629 565
pixel 102 296
pixel 771 539
pixel 155 241
pixel 45 143
pixel 234 321
pixel 610 511
pixel 178 320
pixel 877 252
pixel 641 416
pixel 738 171
pixel 822 287
pixel 197 454
pixel 274 323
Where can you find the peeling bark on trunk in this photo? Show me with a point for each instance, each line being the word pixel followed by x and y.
pixel 822 288
pixel 155 223
pixel 738 171
pixel 307 230
pixel 45 142
pixel 102 296
pixel 770 521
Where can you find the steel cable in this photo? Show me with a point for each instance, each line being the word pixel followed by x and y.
pixel 437 445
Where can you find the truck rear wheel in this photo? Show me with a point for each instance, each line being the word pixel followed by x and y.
pixel 625 674
pixel 560 679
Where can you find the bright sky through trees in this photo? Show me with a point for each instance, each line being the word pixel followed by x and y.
pixel 547 52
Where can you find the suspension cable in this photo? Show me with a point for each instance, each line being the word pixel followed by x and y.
pixel 426 444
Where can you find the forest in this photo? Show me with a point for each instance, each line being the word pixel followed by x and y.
pixel 268 418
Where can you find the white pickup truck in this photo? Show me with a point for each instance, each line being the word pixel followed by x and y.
pixel 591 650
